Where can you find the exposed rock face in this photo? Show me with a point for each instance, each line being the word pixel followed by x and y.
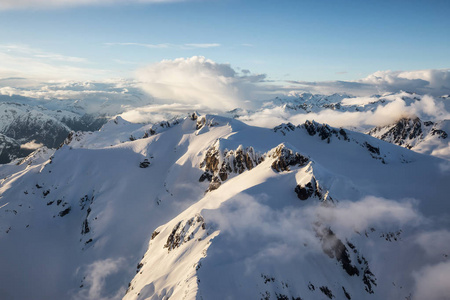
pixel 408 132
pixel 283 128
pixel 312 189
pixel 204 121
pixel 144 164
pixel 38 127
pixel 306 191
pixel 284 158
pixel 218 166
pixel 324 131
pixel 336 249
pixel 401 133
pixel 184 232
pixel 440 133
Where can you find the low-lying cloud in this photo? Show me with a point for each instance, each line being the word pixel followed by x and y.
pixel 31 145
pixel 433 82
pixel 432 282
pixel 389 110
pixel 278 234
pixel 95 280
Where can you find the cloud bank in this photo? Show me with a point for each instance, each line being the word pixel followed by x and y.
pixel 432 282
pixel 200 82
pixel 433 82
pixel 360 112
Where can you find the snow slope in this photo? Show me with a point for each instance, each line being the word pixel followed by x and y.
pixel 207 207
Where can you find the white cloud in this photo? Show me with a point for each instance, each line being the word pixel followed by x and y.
pixel 394 107
pixel 156 113
pixel 42 4
pixel 95 280
pixel 199 81
pixel 280 233
pixel 432 282
pixel 348 217
pixel 31 145
pixel 435 243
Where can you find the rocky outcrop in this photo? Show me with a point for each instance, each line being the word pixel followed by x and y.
pixel 402 133
pixel 335 248
pixel 312 189
pixel 324 131
pixel 285 158
pixel 183 232
pixel 218 166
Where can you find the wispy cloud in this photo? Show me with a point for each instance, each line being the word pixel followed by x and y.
pixel 151 46
pixel 168 45
pixel 45 4
pixel 213 45
pixel 24 50
pixel 25 61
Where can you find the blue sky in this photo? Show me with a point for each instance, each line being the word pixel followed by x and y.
pixel 287 40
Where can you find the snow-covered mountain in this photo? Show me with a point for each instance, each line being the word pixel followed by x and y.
pixel 307 102
pixel 23 123
pixel 424 137
pixel 207 207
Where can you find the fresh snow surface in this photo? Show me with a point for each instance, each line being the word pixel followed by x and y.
pixel 216 213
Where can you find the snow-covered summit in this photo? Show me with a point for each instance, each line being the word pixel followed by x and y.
pixel 209 207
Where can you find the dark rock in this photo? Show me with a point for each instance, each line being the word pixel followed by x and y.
pixel 441 133
pixel 154 234
pixel 233 161
pixel 310 127
pixel 305 192
pixel 334 248
pixel 284 128
pixel 144 164
pixel 205 176
pixel 286 157
pixel 372 149
pixel 347 295
pixel 326 291
pixel 64 212
pixel 344 134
